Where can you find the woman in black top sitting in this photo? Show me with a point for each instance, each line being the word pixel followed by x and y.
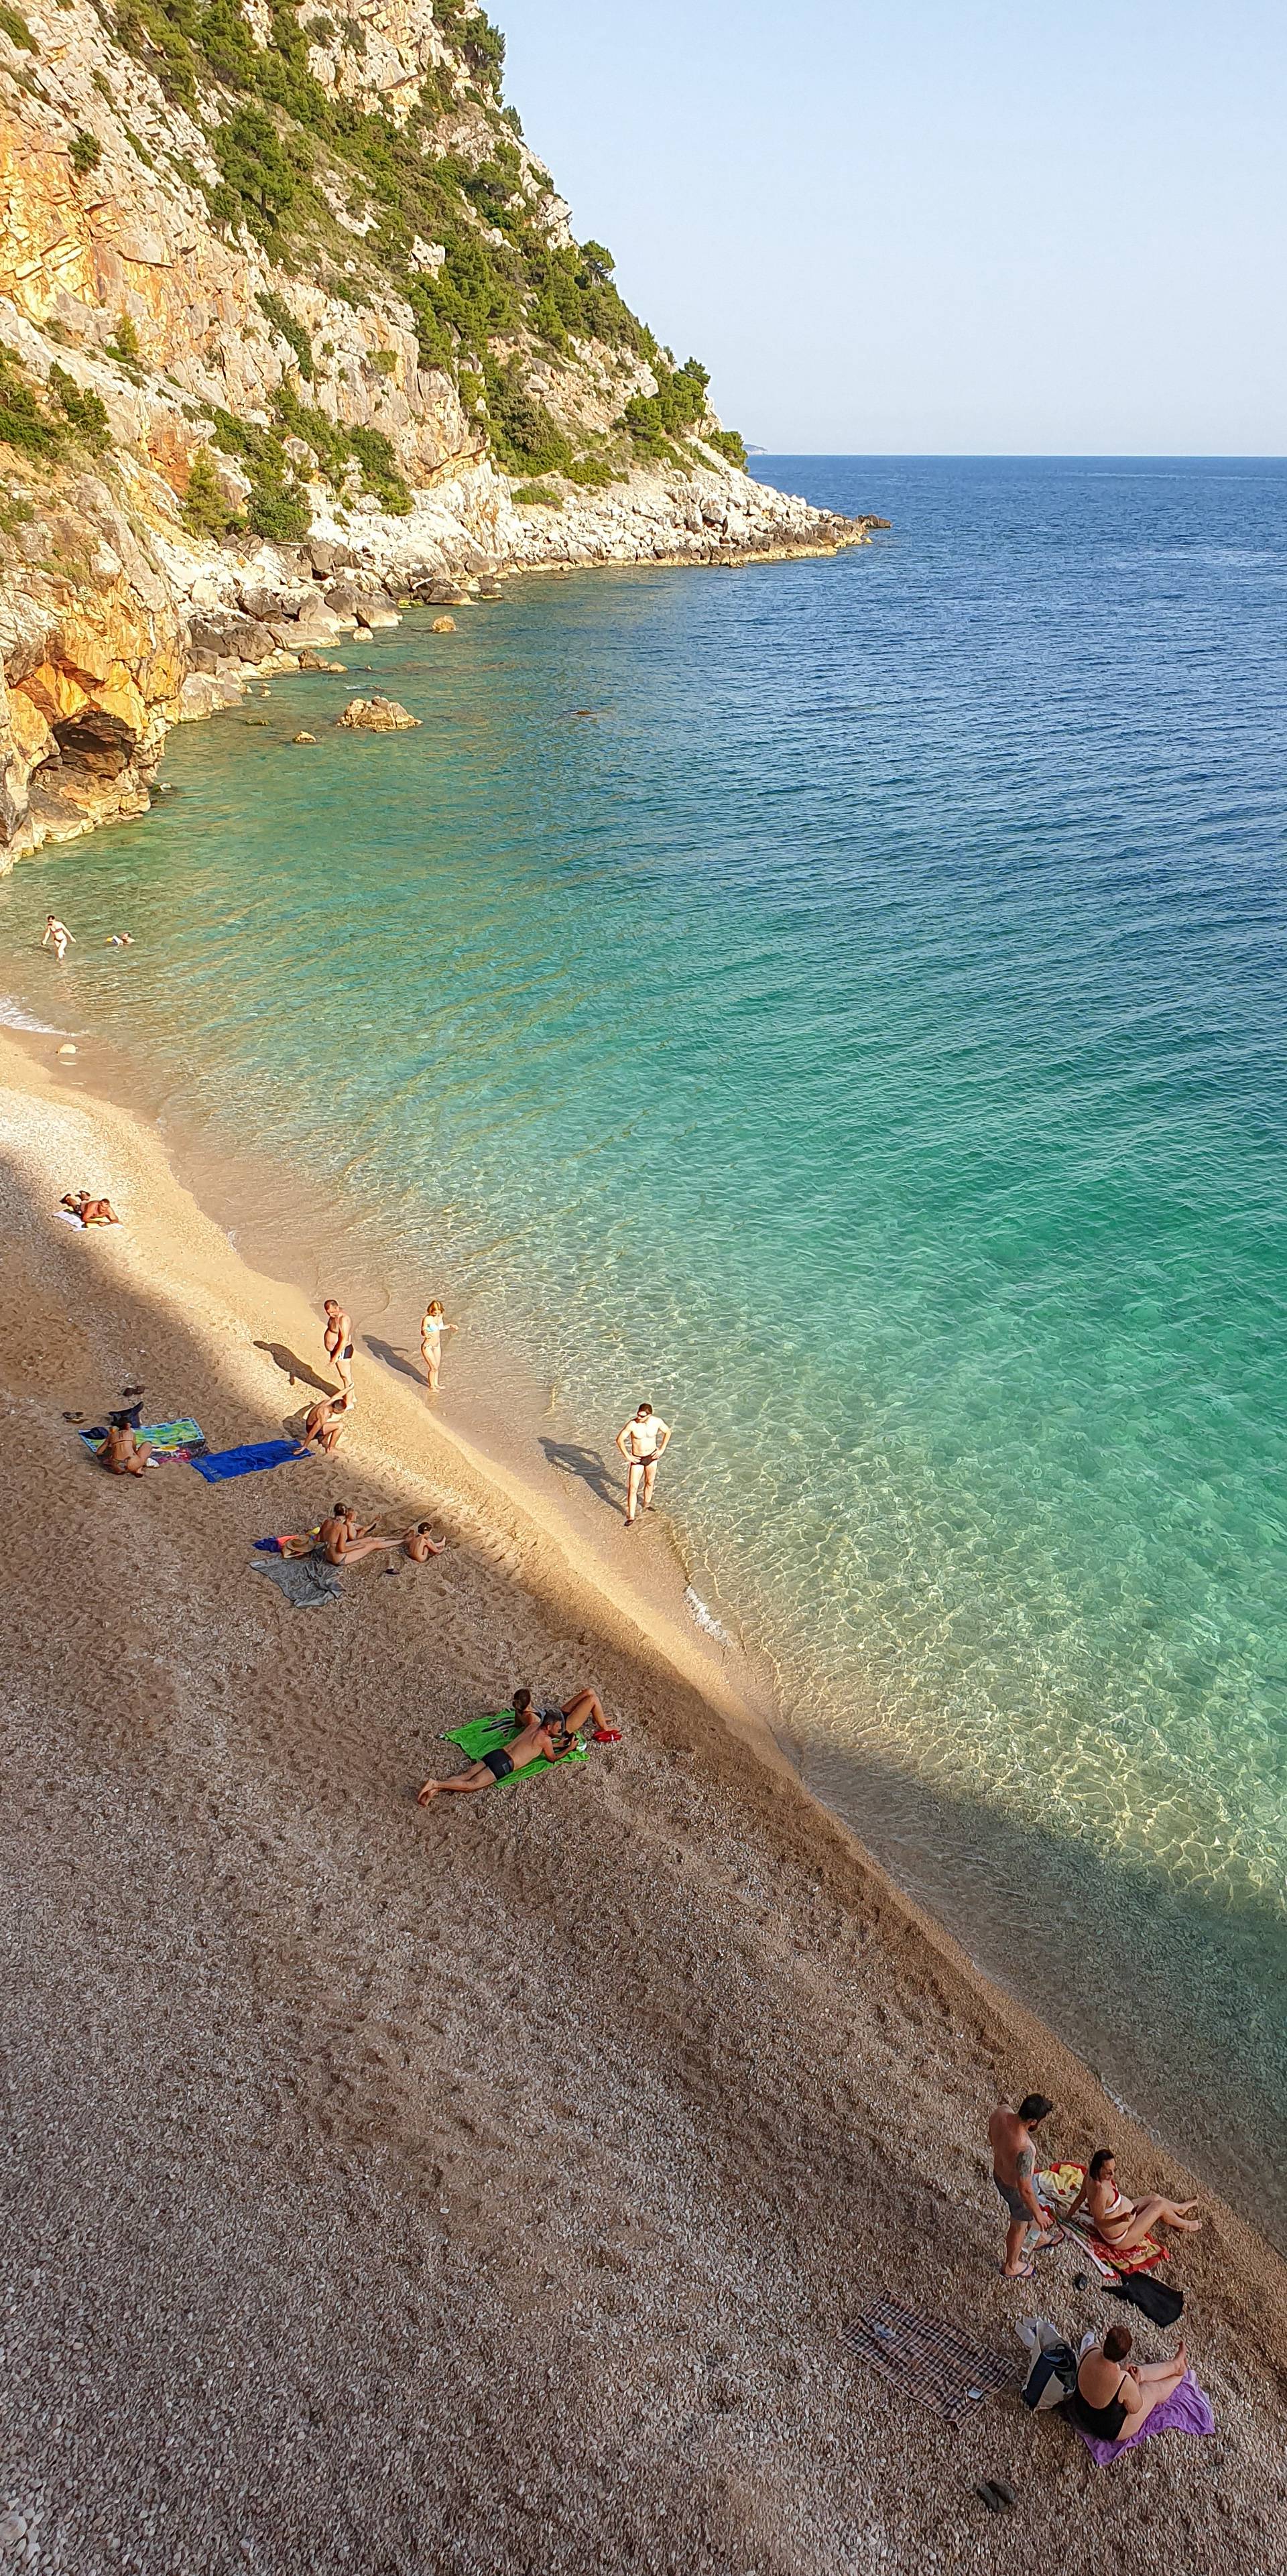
pixel 1113 2399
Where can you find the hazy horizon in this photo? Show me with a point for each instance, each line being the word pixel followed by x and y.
pixel 937 235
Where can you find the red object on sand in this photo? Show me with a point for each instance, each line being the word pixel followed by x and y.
pixel 607 1735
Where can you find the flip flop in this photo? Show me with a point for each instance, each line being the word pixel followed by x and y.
pixel 1051 2242
pixel 1024 2273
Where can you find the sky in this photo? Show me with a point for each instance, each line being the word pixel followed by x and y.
pixel 1000 227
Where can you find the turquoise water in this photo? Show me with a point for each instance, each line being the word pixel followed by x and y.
pixel 843 1001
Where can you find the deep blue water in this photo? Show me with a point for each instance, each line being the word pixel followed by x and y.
pixel 862 1032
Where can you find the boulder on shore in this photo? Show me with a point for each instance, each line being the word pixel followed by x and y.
pixel 376 715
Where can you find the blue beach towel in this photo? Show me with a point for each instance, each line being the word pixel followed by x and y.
pixel 220 1463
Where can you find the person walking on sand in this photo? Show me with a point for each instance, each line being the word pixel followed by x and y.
pixel 1011 2136
pixel 642 1441
pixel 433 1324
pixel 1114 2398
pixel 1127 2222
pixel 337 1340
pixel 57 936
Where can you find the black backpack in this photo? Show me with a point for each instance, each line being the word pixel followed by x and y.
pixel 1059 2363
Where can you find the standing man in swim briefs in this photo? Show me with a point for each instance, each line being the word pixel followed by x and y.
pixel 337 1338
pixel 1012 2138
pixel 641 1442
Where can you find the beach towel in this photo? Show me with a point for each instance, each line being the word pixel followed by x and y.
pixel 485 1734
pixel 1058 2186
pixel 932 2362
pixel 219 1464
pixel 168 1439
pixel 1187 2410
pixel 305 1581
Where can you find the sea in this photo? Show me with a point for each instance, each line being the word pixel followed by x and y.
pixel 841 1001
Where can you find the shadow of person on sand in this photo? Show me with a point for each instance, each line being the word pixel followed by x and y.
pixel 590 1466
pixel 394 1359
pixel 289 1362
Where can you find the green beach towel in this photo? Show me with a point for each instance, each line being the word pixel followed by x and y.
pixel 168 1439
pixel 484 1734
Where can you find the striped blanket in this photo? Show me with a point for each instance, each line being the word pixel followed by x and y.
pixel 1058 2186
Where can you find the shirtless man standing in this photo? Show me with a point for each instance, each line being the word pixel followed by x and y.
pixel 1011 2138
pixel 337 1337
pixel 56 936
pixel 123 1453
pixel 642 1441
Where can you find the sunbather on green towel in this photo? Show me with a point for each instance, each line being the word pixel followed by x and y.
pixel 533 1741
pixel 544 1735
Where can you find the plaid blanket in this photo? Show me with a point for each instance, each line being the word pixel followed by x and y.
pixel 1058 2186
pixel 930 2361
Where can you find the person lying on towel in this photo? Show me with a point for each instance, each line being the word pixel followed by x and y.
pixel 551 1732
pixel 1127 2222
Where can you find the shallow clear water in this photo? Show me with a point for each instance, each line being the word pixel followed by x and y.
pixel 843 1002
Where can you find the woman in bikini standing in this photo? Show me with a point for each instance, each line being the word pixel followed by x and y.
pixel 433 1324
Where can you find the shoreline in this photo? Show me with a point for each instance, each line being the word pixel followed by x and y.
pixel 767 1985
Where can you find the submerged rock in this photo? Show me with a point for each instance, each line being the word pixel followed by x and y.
pixel 303 737
pixel 376 715
pixel 444 626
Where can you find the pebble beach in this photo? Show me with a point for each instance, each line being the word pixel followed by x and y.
pixel 483 2189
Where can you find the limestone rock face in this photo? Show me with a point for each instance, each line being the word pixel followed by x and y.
pixel 166 331
pixel 376 715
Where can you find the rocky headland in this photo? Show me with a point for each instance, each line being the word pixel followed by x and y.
pixel 294 330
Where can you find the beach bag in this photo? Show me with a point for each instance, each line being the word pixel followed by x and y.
pixel 1052 2371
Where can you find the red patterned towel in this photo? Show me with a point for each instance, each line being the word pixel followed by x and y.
pixel 1058 2186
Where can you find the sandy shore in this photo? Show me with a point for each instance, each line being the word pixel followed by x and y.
pixel 482 2189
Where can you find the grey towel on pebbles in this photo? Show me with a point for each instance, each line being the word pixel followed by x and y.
pixel 307 1581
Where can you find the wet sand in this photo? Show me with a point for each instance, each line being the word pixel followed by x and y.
pixel 482 2188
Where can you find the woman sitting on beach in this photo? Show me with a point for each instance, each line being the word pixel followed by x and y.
pixel 420 1546
pixel 123 1453
pixel 343 1538
pixel 1127 2222
pixel 1114 2399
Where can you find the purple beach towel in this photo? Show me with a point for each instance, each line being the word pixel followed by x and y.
pixel 1186 2410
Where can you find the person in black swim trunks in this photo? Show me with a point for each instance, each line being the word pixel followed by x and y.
pixel 532 1740
pixel 551 1731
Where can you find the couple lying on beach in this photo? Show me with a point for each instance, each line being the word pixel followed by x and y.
pixel 549 1733
pixel 1118 2221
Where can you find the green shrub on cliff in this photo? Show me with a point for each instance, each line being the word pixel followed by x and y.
pixel 380 475
pixel 205 511
pixel 279 511
pixel 15 27
pixel 288 329
pixel 84 410
pixel 593 471
pixel 23 422
pixel 526 437
pixel 261 173
pixel 85 152
pixel 535 496
pixel 729 442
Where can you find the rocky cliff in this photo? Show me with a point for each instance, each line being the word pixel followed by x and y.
pixel 293 326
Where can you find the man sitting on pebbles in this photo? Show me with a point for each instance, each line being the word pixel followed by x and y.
pixel 551 1732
